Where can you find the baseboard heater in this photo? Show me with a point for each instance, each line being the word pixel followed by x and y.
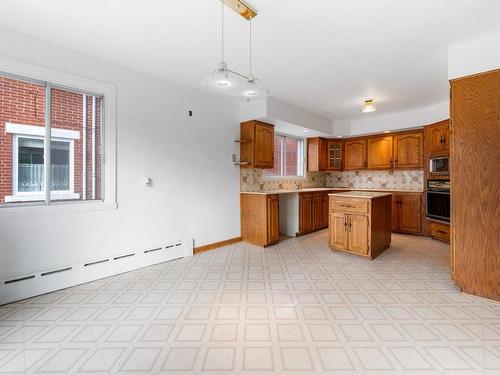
pixel 30 284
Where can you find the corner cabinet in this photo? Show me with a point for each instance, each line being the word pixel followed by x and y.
pixel 380 153
pixel 360 225
pixel 439 138
pixel 260 218
pixel 256 145
pixel 355 154
pixel 409 151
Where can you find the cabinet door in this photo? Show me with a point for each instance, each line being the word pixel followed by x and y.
pixel 317 211
pixel 439 138
pixel 264 145
pixel 357 239
pixel 338 233
pixel 355 154
pixel 323 155
pixel 395 213
pixel 334 154
pixel 325 211
pixel 273 219
pixel 408 151
pixel 316 154
pixel 305 213
pixel 410 213
pixel 380 153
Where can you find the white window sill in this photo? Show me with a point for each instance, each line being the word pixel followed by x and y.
pixel 54 208
pixel 30 197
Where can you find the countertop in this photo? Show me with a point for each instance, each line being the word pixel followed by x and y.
pixel 360 194
pixel 306 190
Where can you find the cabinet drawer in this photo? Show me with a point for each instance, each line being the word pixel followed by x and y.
pixel 439 231
pixel 350 205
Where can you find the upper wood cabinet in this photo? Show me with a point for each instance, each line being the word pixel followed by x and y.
pixel 256 145
pixel 380 153
pixel 409 150
pixel 316 154
pixel 355 154
pixel 335 155
pixel 438 136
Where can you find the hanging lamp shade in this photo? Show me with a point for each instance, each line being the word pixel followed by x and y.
pixel 254 89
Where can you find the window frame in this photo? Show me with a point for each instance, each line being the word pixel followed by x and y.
pixel 301 160
pixel 51 78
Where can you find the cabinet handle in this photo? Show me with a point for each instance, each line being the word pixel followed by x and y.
pixel 350 224
pixel 345 223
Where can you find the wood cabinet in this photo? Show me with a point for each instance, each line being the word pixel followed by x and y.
pixel 316 154
pixel 474 177
pixel 335 155
pixel 409 150
pixel 355 154
pixel 407 213
pixel 439 138
pixel 438 230
pixel 313 211
pixel 256 145
pixel 360 223
pixel 380 153
pixel 259 218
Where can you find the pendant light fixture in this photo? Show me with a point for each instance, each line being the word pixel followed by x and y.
pixel 369 106
pixel 230 82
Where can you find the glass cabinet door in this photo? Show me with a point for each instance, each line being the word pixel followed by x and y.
pixel 334 155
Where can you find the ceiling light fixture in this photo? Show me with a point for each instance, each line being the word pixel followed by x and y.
pixel 230 82
pixel 369 106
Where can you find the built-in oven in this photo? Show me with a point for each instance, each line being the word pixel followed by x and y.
pixel 439 165
pixel 438 200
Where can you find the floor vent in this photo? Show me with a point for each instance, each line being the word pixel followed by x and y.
pixel 19 279
pixel 56 271
pixel 123 256
pixel 68 275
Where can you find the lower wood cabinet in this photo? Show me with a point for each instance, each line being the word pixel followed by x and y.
pixel 260 218
pixel 313 211
pixel 360 225
pixel 438 230
pixel 407 213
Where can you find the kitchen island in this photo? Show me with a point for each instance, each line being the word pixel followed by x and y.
pixel 360 222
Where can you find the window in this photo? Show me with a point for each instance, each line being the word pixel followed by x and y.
pixel 289 157
pixel 75 123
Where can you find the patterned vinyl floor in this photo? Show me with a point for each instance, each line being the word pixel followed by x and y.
pixel 294 308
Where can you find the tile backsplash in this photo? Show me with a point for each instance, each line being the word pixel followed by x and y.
pixel 397 180
pixel 412 180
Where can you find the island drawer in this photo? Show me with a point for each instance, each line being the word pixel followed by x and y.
pixel 348 204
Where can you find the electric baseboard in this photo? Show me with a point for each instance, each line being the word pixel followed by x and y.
pixel 30 284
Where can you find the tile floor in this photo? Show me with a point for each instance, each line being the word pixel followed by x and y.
pixel 294 308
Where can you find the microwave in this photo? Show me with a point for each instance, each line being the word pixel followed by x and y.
pixel 440 165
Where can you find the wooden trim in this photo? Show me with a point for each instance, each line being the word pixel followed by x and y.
pixel 215 245
pixel 474 75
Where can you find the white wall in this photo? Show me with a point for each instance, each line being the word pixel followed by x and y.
pixel 196 187
pixel 401 120
pixel 480 55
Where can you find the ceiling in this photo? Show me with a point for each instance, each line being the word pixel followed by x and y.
pixel 325 56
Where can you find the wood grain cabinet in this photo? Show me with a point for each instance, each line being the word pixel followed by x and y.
pixel 439 139
pixel 259 218
pixel 305 213
pixel 409 150
pixel 439 231
pixel 256 145
pixel 317 154
pixel 360 225
pixel 407 213
pixel 380 153
pixel 335 155
pixel 355 154
pixel 313 211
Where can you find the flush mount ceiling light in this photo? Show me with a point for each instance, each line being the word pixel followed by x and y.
pixel 230 82
pixel 369 106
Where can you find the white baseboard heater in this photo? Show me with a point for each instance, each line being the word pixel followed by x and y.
pixel 30 284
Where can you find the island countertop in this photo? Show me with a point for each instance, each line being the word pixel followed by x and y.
pixel 360 194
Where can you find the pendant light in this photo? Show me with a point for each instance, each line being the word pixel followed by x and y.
pixel 253 88
pixel 369 106
pixel 230 82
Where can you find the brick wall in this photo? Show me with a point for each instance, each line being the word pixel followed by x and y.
pixel 24 103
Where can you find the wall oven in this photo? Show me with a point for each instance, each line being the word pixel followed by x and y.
pixel 439 165
pixel 438 200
